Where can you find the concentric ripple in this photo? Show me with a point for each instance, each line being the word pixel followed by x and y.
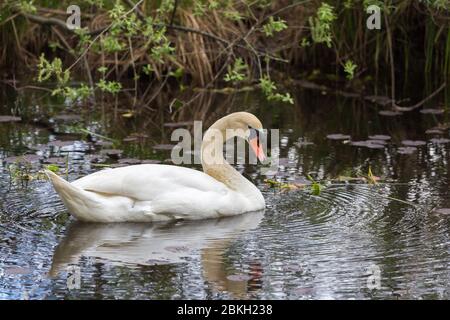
pixel 303 246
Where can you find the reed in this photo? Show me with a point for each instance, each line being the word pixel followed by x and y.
pixel 173 44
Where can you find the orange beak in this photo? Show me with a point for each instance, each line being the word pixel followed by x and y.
pixel 257 148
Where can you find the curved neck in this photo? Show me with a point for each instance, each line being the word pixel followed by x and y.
pixel 216 166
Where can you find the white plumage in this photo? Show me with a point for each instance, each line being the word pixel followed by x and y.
pixel 154 192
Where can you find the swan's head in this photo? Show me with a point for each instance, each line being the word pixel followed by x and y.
pixel 239 124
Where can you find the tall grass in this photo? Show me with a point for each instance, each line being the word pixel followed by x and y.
pixel 196 43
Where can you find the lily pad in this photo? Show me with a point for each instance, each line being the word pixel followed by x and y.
pixel 442 211
pixel 382 142
pixel 372 144
pixel 379 99
pixel 129 161
pixel 434 131
pixel 440 140
pixel 150 161
pixel 9 119
pixel 130 139
pixel 375 146
pixel 338 136
pixel 413 143
pixel 178 124
pixel 389 113
pixel 380 137
pixel 406 150
pixel 432 111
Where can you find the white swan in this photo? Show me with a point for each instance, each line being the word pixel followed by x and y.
pixel 155 192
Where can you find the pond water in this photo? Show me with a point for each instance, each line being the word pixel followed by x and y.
pixel 353 240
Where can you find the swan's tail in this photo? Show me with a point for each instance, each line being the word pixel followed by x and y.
pixel 76 200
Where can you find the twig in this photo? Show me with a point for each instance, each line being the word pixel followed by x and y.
pixel 420 103
pixel 101 33
pixel 175 6
pixel 44 20
pixel 391 57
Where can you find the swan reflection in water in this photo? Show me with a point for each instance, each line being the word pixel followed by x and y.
pixel 162 243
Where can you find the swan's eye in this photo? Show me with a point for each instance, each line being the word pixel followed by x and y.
pixel 253 134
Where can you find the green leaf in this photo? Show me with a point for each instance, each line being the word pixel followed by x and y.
pixel 274 26
pixel 53 168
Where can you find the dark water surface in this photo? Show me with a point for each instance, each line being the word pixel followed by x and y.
pixel 303 246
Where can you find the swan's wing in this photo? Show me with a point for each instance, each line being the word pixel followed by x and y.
pixel 147 182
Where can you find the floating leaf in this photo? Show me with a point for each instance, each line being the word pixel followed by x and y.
pixel 129 161
pixel 434 131
pixel 432 111
pixel 442 211
pixel 282 185
pixel 130 139
pixel 413 143
pixel 440 140
pixel 338 136
pixel 371 178
pixel 389 113
pixel 178 124
pixel 372 144
pixel 52 168
pixel 9 119
pixel 316 188
pixel 382 142
pixel 380 137
pixel 150 161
